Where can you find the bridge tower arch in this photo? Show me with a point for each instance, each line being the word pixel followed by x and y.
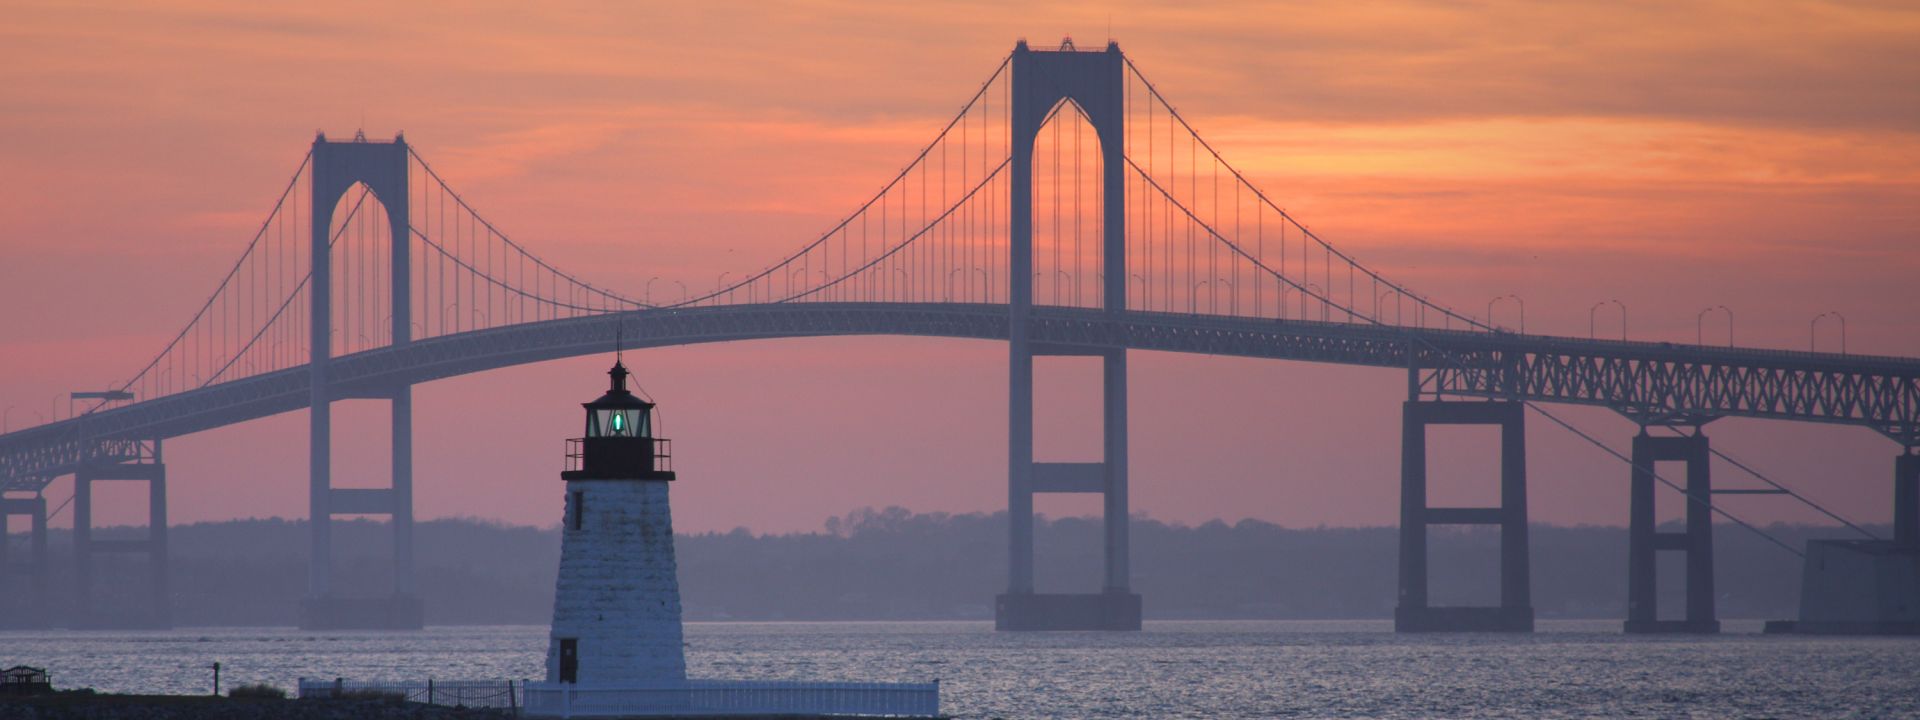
pixel 383 168
pixel 1095 82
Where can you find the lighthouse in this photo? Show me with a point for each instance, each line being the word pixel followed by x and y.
pixel 616 606
pixel 615 648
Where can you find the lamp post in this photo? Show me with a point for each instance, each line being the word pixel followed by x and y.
pixel 1377 301
pixel 649 297
pixel 1596 307
pixel 1814 326
pixel 6 422
pixel 683 291
pixel 1516 299
pixel 1700 320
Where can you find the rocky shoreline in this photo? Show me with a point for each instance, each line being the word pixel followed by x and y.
pixel 88 706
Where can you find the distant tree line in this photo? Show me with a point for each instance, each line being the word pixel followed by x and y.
pixel 895 564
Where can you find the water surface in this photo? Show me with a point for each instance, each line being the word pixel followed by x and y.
pixel 1171 669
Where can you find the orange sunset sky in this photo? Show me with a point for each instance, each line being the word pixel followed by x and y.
pixel 1759 155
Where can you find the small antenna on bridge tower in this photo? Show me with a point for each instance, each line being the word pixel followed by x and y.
pixel 619 340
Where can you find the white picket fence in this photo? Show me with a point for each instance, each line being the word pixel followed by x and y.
pixel 733 697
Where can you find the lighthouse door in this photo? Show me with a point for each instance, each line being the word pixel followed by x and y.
pixel 569 659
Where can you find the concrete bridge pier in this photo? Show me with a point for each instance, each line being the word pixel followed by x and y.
pixel 157 611
pixel 1115 607
pixel 328 609
pixel 1906 499
pixel 24 609
pixel 1645 541
pixel 1515 611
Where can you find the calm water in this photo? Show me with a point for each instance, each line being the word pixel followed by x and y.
pixel 1172 669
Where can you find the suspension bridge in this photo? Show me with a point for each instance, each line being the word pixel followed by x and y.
pixel 1068 209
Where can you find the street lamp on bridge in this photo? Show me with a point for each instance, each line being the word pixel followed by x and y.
pixel 1700 321
pixel 1313 291
pixel 1516 299
pixel 1814 327
pixel 1398 314
pixel 1596 307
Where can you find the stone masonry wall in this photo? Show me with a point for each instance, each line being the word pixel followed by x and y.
pixel 618 591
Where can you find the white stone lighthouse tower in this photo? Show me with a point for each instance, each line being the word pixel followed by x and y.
pixel 616 606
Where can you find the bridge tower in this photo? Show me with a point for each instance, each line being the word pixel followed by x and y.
pixel 1515 611
pixel 337 167
pixel 145 463
pixel 1095 82
pixel 1645 541
pixel 24 609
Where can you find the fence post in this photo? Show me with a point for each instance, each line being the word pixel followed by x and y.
pixel 511 703
pixel 429 691
pixel 338 685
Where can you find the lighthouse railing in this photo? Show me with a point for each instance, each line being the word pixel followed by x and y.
pixel 733 697
pixel 577 452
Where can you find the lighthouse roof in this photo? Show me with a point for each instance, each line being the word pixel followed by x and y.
pixel 618 396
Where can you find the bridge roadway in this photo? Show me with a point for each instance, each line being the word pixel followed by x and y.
pixel 1651 381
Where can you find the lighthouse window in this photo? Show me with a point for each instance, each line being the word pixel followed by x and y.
pixel 579 509
pixel 621 422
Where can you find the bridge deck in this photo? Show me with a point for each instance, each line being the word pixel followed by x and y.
pixel 1651 380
